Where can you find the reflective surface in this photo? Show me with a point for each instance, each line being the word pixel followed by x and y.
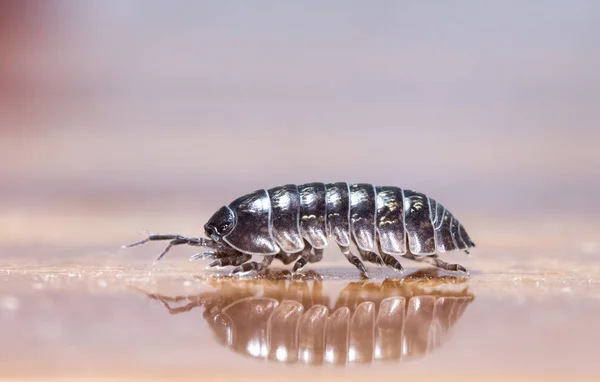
pixel 296 322
pixel 114 315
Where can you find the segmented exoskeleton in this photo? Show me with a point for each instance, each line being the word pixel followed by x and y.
pixel 294 223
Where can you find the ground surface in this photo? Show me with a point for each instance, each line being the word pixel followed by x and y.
pixel 528 310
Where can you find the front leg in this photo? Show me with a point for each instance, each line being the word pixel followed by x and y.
pixel 254 266
pixel 234 260
pixel 218 251
pixel 223 256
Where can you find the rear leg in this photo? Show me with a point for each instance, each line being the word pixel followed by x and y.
pixel 436 262
pixel 354 260
pixel 254 266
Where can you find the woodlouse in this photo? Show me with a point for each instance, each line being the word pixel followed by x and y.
pixel 294 222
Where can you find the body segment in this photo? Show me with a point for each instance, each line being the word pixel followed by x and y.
pixel 297 222
pixel 285 205
pixel 417 220
pixel 313 214
pixel 338 212
pixel 390 220
pixel 363 209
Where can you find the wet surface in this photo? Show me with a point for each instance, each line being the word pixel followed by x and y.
pixel 297 323
pixel 116 315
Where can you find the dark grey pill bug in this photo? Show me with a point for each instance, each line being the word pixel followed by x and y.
pixel 294 223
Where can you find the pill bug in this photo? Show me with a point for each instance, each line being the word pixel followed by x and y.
pixel 294 223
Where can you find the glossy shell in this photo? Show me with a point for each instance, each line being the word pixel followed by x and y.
pixel 392 219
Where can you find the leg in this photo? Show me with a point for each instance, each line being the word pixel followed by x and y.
pixel 370 257
pixel 234 260
pixel 205 255
pixel 389 260
pixel 254 266
pixel 436 262
pixel 217 253
pixel 354 260
pixel 175 240
pixel 316 255
pixel 303 257
pixel 392 262
pixel 287 258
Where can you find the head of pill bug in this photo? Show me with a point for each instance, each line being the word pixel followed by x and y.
pixel 220 224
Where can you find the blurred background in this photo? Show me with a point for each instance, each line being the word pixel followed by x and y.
pixel 118 114
pixel 123 117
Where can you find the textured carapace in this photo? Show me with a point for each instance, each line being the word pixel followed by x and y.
pixel 294 223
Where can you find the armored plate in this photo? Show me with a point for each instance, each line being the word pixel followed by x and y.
pixel 285 217
pixel 338 212
pixel 390 220
pixel 464 236
pixel 454 227
pixel 252 231
pixel 312 214
pixel 442 219
pixel 417 221
pixel 362 215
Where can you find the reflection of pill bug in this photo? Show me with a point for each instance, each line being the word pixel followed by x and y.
pixel 396 328
pixel 294 222
pixel 303 322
